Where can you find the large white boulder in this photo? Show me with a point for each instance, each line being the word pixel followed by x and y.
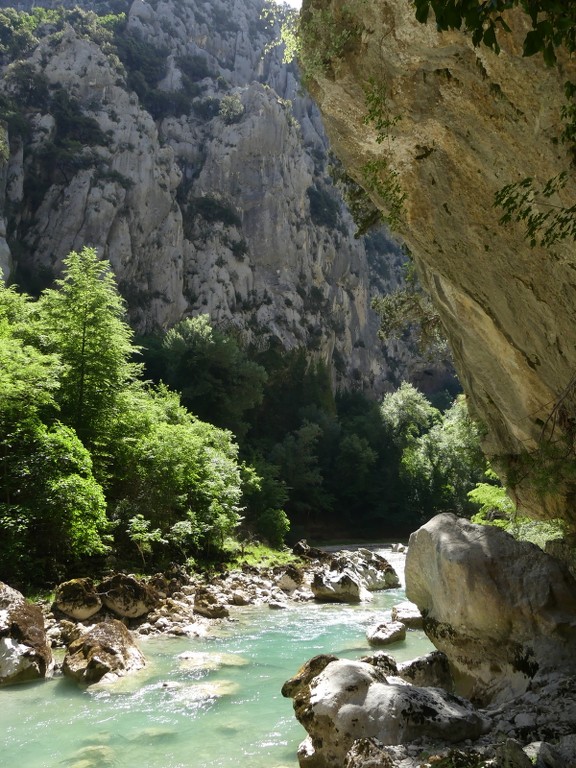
pixel 339 701
pixel 503 611
pixel 339 587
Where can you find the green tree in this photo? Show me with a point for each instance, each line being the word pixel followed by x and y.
pixel 29 378
pixel 83 318
pixel 407 415
pixel 443 465
pixel 52 512
pixel 186 475
pixel 213 373
pixel 297 457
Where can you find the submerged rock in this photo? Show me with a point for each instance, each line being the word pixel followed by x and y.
pixel 503 611
pixel 103 653
pixel 25 653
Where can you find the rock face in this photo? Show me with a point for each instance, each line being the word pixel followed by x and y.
pixel 24 650
pixel 102 654
pixel 339 701
pixel 459 124
pixel 503 611
pixel 208 189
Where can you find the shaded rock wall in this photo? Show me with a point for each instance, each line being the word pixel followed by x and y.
pixel 464 122
pixel 198 209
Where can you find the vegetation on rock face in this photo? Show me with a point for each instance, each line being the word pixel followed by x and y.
pixel 533 202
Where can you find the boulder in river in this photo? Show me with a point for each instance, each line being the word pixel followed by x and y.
pixel 350 576
pixel 24 650
pixel 78 598
pixel 339 587
pixel 127 596
pixel 347 700
pixel 103 653
pixel 385 633
pixel 408 614
pixel 503 611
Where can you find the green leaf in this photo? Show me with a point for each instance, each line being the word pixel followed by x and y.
pixel 533 42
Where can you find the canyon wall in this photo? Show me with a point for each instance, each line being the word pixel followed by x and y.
pixel 187 153
pixel 433 128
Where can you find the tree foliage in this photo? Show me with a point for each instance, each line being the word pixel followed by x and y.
pixel 91 458
pixel 215 377
pixel 553 22
pixel 83 321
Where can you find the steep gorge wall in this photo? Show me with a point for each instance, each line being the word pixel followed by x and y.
pixel 462 123
pixel 199 209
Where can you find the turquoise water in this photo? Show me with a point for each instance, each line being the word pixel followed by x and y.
pixel 178 714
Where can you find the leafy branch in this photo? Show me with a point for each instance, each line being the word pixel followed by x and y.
pixel 546 222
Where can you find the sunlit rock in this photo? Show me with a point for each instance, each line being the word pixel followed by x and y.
pixel 408 614
pixel 348 700
pixel 339 587
pixel 207 604
pixel 24 650
pixel 127 596
pixel 503 611
pixel 103 653
pixel 386 633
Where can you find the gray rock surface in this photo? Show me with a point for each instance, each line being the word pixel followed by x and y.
pixel 339 701
pixel 103 653
pixel 25 653
pixel 462 123
pixel 205 209
pixel 503 611
pixel 408 614
pixel 386 633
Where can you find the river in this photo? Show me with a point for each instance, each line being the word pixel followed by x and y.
pixel 199 703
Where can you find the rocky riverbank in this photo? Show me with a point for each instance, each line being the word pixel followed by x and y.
pixel 88 618
pixel 502 693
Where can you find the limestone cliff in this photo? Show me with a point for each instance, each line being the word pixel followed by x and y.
pixel 422 115
pixel 191 159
